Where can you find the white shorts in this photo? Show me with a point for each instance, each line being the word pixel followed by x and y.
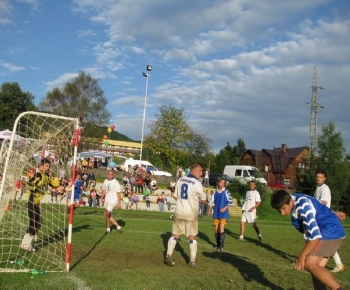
pixel 110 205
pixel 248 217
pixel 183 227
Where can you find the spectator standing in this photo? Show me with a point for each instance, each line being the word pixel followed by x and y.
pixel 93 196
pixel 172 186
pixel 132 182
pixel 252 201
pixel 188 192
pixel 168 201
pixel 84 177
pixel 161 201
pixel 146 196
pixel 206 178
pixel 139 182
pixel 220 201
pixel 323 194
pixel 91 179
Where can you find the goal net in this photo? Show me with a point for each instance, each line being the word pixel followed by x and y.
pixel 33 203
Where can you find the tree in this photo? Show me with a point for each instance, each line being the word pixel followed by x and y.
pixel 172 141
pixel 238 151
pixel 332 158
pixel 13 101
pixel 81 97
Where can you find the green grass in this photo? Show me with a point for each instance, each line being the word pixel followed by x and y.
pixel 134 259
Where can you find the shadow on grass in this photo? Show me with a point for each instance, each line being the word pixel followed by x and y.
pixel 249 271
pixel 87 253
pixel 290 258
pixel 205 238
pixel 165 238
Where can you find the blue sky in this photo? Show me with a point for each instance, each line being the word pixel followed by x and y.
pixel 240 68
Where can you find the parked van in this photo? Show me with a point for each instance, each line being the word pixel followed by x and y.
pixel 244 173
pixel 146 165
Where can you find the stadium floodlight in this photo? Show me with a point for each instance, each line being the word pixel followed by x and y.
pixel 146 75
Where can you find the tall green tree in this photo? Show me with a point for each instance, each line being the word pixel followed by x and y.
pixel 81 97
pixel 332 158
pixel 172 141
pixel 13 101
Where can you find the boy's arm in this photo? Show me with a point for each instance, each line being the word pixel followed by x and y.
pixel 257 204
pixel 119 205
pixel 310 246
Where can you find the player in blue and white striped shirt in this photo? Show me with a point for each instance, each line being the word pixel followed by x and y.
pixel 323 234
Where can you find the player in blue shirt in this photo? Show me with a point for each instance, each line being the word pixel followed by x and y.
pixel 323 234
pixel 220 201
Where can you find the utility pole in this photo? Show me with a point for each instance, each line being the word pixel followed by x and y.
pixel 313 120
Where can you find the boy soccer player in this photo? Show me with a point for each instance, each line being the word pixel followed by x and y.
pixel 188 193
pixel 111 193
pixel 323 194
pixel 252 201
pixel 221 200
pixel 37 186
pixel 323 234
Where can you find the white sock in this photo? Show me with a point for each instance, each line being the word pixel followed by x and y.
pixel 119 227
pixel 337 259
pixel 171 246
pixel 108 230
pixel 241 237
pixel 193 250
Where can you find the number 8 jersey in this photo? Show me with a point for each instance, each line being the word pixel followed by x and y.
pixel 189 192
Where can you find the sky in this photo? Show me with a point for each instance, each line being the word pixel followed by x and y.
pixel 239 68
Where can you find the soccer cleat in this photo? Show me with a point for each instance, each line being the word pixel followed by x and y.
pixel 191 265
pixel 260 239
pixel 241 239
pixel 338 269
pixel 219 249
pixel 119 229
pixel 169 261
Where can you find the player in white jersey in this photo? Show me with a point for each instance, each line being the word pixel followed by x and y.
pixel 111 193
pixel 188 194
pixel 252 201
pixel 323 194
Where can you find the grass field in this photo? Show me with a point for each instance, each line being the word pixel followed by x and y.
pixel 134 258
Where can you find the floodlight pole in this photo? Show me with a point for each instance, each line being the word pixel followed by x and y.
pixel 146 75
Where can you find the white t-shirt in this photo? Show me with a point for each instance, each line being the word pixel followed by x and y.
pixel 323 193
pixel 112 187
pixel 189 191
pixel 251 198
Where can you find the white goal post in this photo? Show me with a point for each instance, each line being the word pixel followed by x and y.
pixel 34 229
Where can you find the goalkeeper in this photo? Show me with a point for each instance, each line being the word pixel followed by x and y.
pixel 37 186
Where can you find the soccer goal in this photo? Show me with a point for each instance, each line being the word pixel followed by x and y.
pixel 36 136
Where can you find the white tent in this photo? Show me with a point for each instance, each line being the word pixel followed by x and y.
pixel 7 134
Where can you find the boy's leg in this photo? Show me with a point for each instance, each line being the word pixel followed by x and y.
pixel 321 277
pixel 222 235
pixel 242 227
pixel 339 265
pixel 256 228
pixel 193 250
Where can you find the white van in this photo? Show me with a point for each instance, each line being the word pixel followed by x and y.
pixel 146 165
pixel 244 173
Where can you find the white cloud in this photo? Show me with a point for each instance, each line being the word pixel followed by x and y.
pixel 60 81
pixel 11 67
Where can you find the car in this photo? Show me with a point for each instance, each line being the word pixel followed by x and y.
pixel 279 184
pixel 213 177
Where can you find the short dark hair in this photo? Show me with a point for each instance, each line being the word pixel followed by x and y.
pixel 279 198
pixel 219 179
pixel 45 161
pixel 321 171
